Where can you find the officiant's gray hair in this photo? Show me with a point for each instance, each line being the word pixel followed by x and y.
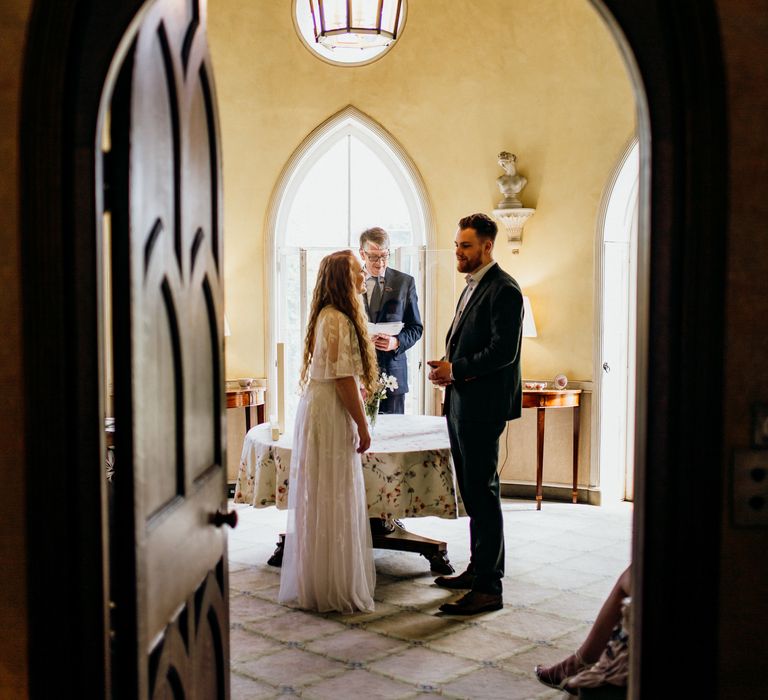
pixel 375 235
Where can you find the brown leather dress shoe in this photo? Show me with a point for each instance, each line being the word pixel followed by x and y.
pixel 473 603
pixel 464 580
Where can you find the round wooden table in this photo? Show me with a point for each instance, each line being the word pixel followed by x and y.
pixel 408 473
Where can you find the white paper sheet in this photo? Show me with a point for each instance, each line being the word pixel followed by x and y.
pixel 385 328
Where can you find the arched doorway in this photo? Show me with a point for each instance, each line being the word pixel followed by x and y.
pixel 676 51
pixel 616 307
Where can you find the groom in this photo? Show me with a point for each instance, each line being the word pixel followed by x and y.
pixel 481 374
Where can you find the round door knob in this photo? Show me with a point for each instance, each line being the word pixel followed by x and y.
pixel 220 518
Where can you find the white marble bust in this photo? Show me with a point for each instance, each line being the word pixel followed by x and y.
pixel 510 184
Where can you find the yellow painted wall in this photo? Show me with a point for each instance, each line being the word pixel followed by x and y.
pixel 465 81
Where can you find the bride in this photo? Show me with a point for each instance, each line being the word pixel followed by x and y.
pixel 328 559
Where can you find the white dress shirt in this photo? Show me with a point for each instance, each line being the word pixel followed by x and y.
pixel 473 279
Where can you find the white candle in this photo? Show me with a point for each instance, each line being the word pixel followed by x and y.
pixel 281 387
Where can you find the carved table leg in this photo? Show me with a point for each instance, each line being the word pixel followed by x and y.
pixel 277 556
pixel 575 492
pixel 539 455
pixel 439 563
pixel 398 539
pixel 380 526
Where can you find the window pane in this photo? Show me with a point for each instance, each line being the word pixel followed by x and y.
pixel 318 213
pixel 290 331
pixel 337 195
pixel 376 197
pixel 407 260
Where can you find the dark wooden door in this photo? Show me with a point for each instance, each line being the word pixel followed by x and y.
pixel 169 568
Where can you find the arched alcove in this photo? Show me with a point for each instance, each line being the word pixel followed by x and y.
pixel 347 175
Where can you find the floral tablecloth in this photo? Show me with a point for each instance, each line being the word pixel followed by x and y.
pixel 408 470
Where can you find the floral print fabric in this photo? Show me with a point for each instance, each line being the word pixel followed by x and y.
pixel 408 471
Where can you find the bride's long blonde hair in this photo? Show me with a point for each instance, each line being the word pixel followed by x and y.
pixel 336 286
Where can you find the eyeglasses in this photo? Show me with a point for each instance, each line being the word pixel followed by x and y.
pixel 376 258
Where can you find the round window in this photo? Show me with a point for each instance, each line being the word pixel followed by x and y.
pixel 347 43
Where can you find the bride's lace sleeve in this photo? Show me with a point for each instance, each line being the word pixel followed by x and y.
pixel 336 353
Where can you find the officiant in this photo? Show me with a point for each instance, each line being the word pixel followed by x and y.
pixel 390 297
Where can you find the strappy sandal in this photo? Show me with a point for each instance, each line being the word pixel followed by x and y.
pixel 557 676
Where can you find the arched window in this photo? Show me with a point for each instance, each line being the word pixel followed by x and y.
pixel 348 175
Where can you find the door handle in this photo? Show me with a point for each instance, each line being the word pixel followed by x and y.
pixel 220 518
pixel 606 367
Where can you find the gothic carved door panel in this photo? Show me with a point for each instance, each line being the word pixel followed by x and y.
pixel 163 182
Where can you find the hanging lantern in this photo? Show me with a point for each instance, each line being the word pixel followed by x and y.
pixel 355 24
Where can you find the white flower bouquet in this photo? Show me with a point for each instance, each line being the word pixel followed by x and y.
pixel 384 384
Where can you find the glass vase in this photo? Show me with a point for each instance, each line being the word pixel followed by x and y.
pixel 372 412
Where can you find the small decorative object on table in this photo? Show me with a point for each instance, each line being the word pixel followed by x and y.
pixel 560 381
pixel 385 383
pixel 535 386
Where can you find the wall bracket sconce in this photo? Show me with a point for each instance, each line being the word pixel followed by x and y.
pixel 510 212
pixel 529 323
pixel 512 222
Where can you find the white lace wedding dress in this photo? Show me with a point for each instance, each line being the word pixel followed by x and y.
pixel 328 558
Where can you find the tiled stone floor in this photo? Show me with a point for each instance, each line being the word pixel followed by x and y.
pixel 560 564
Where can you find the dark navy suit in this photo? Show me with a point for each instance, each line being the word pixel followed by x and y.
pixel 484 351
pixel 399 302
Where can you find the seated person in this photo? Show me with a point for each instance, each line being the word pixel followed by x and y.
pixel 603 658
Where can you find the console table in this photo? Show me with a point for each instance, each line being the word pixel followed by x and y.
pixel 542 399
pixel 247 399
pixel 408 473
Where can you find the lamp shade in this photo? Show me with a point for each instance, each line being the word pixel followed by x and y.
pixel 355 24
pixel 529 324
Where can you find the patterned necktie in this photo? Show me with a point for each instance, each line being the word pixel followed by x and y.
pixel 375 302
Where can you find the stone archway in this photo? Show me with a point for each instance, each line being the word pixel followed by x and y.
pixel 676 50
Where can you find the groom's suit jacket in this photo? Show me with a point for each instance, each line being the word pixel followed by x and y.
pixel 398 303
pixel 484 351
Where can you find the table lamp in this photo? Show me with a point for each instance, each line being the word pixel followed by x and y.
pixel 529 324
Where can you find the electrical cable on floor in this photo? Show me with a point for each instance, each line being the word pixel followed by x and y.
pixel 506 451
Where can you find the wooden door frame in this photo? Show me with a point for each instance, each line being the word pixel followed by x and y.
pixel 676 47
pixel 71 45
pixel 678 475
